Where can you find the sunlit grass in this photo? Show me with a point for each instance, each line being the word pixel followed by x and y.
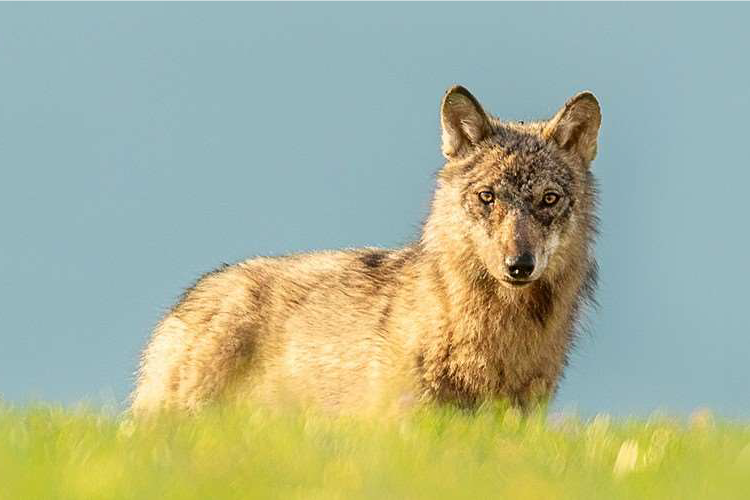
pixel 48 452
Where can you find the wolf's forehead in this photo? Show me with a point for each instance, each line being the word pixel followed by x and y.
pixel 523 168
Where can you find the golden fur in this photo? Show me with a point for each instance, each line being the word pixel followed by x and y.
pixel 441 320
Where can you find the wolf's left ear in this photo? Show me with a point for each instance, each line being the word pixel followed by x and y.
pixel 575 127
pixel 463 120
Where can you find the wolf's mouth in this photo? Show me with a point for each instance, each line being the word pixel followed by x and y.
pixel 518 283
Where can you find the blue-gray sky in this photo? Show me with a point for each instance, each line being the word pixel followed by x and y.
pixel 143 144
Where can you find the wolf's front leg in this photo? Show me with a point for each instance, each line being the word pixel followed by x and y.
pixel 537 392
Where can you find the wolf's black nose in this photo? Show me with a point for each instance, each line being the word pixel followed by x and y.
pixel 521 266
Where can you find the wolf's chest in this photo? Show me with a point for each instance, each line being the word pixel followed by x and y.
pixel 508 360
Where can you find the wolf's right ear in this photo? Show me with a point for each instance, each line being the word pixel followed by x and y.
pixel 463 120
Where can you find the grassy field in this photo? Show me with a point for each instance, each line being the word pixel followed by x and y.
pixel 231 453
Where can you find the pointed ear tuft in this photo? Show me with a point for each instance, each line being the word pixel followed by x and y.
pixel 575 127
pixel 463 120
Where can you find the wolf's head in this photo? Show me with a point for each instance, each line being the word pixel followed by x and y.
pixel 515 200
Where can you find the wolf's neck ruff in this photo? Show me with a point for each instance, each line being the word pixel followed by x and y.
pixel 484 305
pixel 488 326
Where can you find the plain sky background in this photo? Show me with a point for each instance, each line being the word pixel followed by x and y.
pixel 144 144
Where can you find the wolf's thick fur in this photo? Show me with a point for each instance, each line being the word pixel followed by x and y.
pixel 444 319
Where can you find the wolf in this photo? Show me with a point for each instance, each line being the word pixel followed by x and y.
pixel 485 304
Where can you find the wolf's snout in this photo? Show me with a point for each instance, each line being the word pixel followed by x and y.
pixel 520 267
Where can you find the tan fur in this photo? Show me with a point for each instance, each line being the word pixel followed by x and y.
pixel 437 321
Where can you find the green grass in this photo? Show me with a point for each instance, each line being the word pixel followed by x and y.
pixel 232 453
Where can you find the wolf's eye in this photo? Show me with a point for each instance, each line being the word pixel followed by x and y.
pixel 487 197
pixel 550 199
